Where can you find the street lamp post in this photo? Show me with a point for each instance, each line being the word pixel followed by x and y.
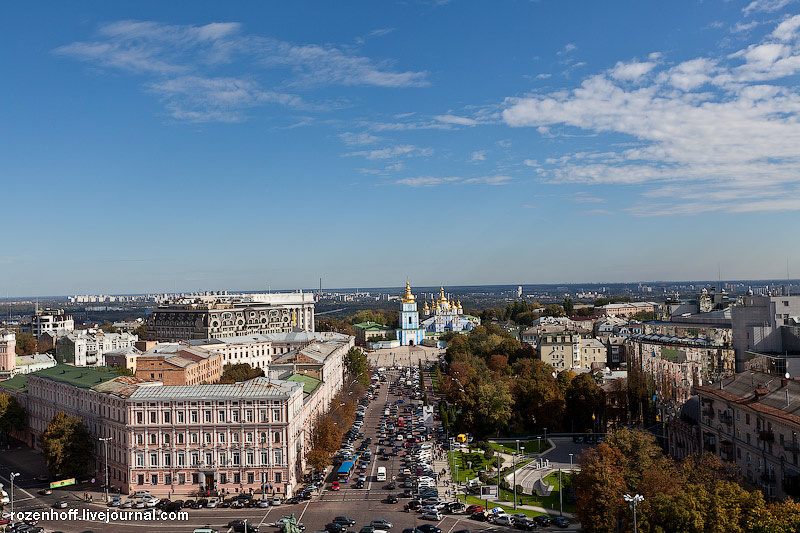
pixel 539 444
pixel 633 500
pixel 560 493
pixel 570 461
pixel 105 440
pixel 12 476
pixel 514 466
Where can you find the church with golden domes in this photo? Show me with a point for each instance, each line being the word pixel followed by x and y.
pixel 443 315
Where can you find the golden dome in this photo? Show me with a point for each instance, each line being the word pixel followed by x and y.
pixel 408 298
pixel 442 298
pixel 459 305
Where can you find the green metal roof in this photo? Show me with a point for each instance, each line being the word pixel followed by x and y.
pixel 309 384
pixel 81 377
pixel 17 383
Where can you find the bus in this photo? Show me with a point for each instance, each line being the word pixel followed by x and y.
pixel 381 473
pixel 347 469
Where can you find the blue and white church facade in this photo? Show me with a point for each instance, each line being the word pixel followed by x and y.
pixel 410 332
pixel 445 315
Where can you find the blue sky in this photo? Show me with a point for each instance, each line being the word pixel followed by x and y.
pixel 158 146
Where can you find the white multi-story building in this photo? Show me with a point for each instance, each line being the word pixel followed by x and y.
pixel 54 322
pixel 88 347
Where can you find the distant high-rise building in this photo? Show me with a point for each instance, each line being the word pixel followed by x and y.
pixel 519 291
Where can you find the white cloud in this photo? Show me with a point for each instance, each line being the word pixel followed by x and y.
pixel 543 76
pixel 768 6
pixel 390 152
pixel 359 139
pixel 632 71
pixel 479 155
pixel 196 99
pixel 169 55
pixel 453 119
pixel 569 47
pixel 430 181
pixel 712 124
pixel 787 30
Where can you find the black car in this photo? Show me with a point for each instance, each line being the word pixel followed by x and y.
pixel 335 528
pixel 392 485
pixel 411 530
pixel 305 495
pixel 343 520
pixel 429 528
pixel 559 521
pixel 414 504
pixel 408 493
pixel 391 498
pixel 241 528
pixel 478 517
pixel 359 484
pixel 542 520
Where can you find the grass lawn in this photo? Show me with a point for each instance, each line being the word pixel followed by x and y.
pixel 548 502
pixel 479 464
pixel 531 446
pixel 434 383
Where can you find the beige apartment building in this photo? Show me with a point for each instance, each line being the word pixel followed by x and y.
pixel 753 420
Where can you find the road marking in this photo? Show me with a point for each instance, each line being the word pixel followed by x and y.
pixel 304 512
pixel 16 488
pixel 265 516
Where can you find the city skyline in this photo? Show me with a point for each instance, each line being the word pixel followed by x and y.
pixel 154 148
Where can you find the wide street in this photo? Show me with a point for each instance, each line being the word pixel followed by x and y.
pixel 361 505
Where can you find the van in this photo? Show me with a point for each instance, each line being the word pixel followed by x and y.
pixel 381 473
pixel 205 530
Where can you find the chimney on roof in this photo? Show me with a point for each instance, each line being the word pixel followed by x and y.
pixel 784 382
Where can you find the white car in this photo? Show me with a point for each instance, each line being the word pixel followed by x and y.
pixel 212 503
pixel 276 501
pixel 431 515
pixel 140 494
pixel 151 502
pixel 503 520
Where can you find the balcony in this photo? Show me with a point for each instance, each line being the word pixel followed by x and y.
pixel 708 412
pixel 791 446
pixel 726 418
pixel 768 435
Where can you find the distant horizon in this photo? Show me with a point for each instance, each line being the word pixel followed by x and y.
pixel 421 288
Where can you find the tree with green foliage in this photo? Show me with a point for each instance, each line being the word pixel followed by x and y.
pixel 584 403
pixel 67 446
pixel 12 416
pixel 605 301
pixel 26 344
pixel 355 361
pixel 569 306
pixel 644 316
pixel 538 400
pixel 141 331
pixel 238 372
pixel 553 310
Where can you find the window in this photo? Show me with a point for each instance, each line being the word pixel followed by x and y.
pixel 276 415
pixel 154 479
pixel 139 438
pixel 194 438
pixel 195 459
pixel 264 415
pixel 278 477
pixel 179 438
pixel 276 437
pixel 234 416
pixel 181 479
pixel 167 438
pixel 250 458
pixel 221 415
pixel 179 414
pixel 181 460
pixel 248 436
pixel 278 457
pixel 249 415
pixel 153 438
pixel 250 478
pixel 207 437
pixel 153 459
pixel 167 479
pixel 167 459
pixel 166 416
pixel 140 460
pixel 209 459
pixel 221 438
pixel 193 417
pixel 195 479
pixel 223 478
pixel 235 437
pixel 140 479
pixel 139 417
pixel 237 478
pixel 223 460
pixel 235 459
pixel 264 458
pixel 207 417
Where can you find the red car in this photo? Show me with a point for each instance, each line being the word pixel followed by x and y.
pixel 475 509
pixel 335 485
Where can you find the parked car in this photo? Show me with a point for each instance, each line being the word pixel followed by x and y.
pixel 560 521
pixel 61 504
pixel 333 527
pixel 46 492
pixel 380 523
pixel 542 520
pixel 347 522
pixel 335 485
pixel 391 498
pixel 432 515
pixel 429 528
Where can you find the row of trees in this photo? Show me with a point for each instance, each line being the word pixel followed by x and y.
pixel 234 373
pixel 12 416
pixel 497 384
pixel 387 317
pixel 355 362
pixel 699 495
pixel 330 426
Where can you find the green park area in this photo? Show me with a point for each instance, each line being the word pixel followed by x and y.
pixel 530 446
